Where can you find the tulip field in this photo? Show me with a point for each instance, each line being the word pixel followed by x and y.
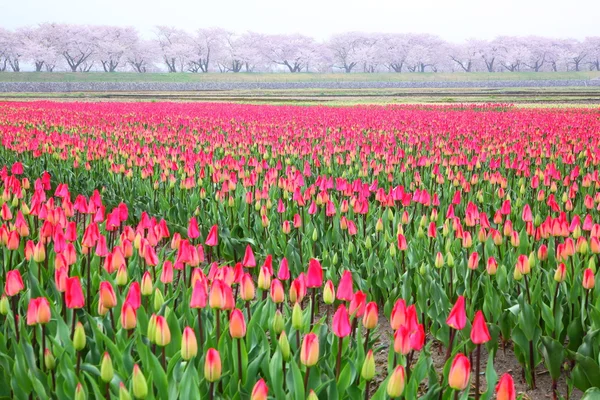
pixel 234 251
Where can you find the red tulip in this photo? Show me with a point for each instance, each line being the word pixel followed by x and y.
pixel 460 372
pixel 74 294
pixel 457 319
pixel 237 324
pixel 199 296
pixel 345 291
pixel 14 283
pixel 309 354
pixel 108 297
pixel 341 322
pixel 212 239
pixel 505 390
pixel 314 276
pixel 371 315
pixel 192 231
pixel 249 260
pixel 589 280
pixel 260 391
pixel 479 331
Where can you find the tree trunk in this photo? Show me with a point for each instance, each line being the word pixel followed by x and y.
pixel 38 66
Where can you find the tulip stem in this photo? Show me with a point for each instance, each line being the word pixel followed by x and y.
pixel 283 367
pixel 200 328
pixel 239 359
pixel 164 359
pixel 554 303
pixel 531 361
pixel 78 363
pixel 89 279
pixel 527 287
pixel 477 365
pixel 218 323
pixel 338 362
pixel 248 309
pixel 313 307
pixel 456 393
pixel 367 340
pixel 43 346
pixel 15 316
pixel 452 333
pixel 211 391
pixel 306 379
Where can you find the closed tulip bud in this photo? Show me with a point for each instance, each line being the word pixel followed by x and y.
pixel 237 324
pixel 312 396
pixel 371 316
pixel 492 266
pixel 309 354
pixel 122 278
pixel 592 264
pixel 128 316
pixel 589 280
pixel 457 319
pixel 123 392
pixel 79 392
pixel 151 331
pixel 79 337
pixel 315 235
pixel 39 252
pixel 212 366
pixel 189 345
pixel 595 245
pixel 368 369
pixel 449 260
pixel 146 286
pixel 542 253
pixel 439 260
pixel 297 317
pixel 140 386
pixel 473 262
pixel 108 298
pixel 278 323
pixel 162 336
pixel 561 273
pixel 396 382
pixel 264 279
pixel 517 275
pixel 460 372
pixel 479 331
pixel 329 293
pixel 106 368
pixel 260 391
pixel 49 360
pixel 14 283
pixel 159 300
pixel 379 225
pixel 505 390
pixel 4 305
pixel 284 346
pixel 247 291
pixel 277 292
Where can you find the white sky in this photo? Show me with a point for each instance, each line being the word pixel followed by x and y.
pixel 454 20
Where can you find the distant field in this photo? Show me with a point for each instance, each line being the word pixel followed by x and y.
pixel 285 77
pixel 571 96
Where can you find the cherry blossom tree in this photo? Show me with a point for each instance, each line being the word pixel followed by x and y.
pixel 466 55
pixel 5 44
pixel 392 50
pixel 592 46
pixel 295 52
pixel 40 47
pixel 75 43
pixel 345 49
pixel 113 44
pixel 175 46
pixel 204 45
pixel 142 55
pixel 426 51
pixel 242 53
